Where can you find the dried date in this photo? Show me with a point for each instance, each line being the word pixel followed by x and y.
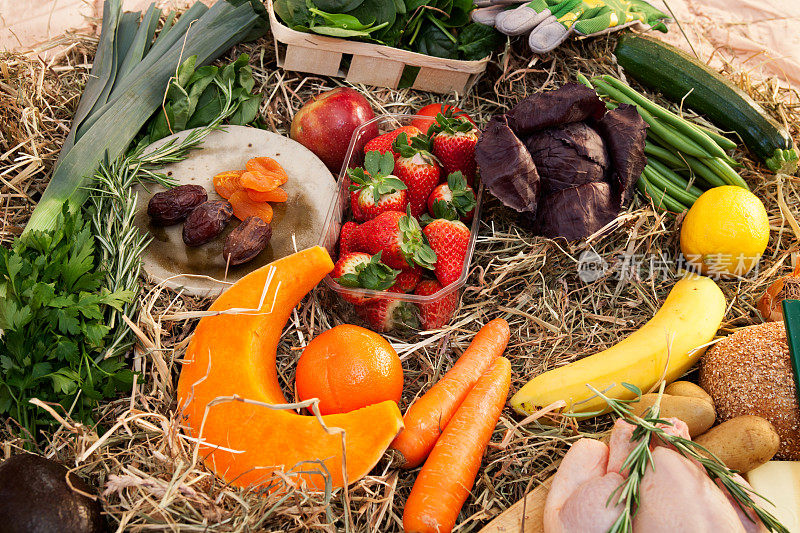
pixel 206 222
pixel 172 206
pixel 248 240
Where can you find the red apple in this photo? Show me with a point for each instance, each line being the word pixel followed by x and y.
pixel 325 124
pixel 431 111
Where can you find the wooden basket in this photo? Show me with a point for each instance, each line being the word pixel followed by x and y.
pixel 367 63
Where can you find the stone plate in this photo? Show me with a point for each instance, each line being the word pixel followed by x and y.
pixel 297 223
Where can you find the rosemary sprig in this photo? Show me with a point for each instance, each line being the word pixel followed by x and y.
pixel 113 210
pixel 640 459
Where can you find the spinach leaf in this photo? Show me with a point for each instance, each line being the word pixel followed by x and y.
pixel 433 41
pixel 376 12
pixel 293 13
pixel 458 14
pixel 337 6
pixel 477 41
pixel 343 25
pixel 343 21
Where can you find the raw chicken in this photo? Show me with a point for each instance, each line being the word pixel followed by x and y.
pixel 751 522
pixel 620 445
pixel 586 460
pixel 586 509
pixel 677 496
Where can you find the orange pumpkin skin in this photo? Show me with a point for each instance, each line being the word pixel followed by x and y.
pixel 234 354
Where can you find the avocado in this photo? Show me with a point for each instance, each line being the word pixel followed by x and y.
pixel 35 498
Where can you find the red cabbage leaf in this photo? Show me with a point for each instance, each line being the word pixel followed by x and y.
pixel 573 102
pixel 564 161
pixel 625 131
pixel 568 156
pixel 507 169
pixel 577 212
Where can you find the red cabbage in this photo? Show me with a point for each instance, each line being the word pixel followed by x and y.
pixel 563 161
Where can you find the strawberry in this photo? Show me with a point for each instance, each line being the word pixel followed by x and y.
pixel 435 315
pixel 387 314
pixel 452 200
pixel 417 168
pixel 454 143
pixel 407 280
pixel 374 189
pixel 383 143
pixel 400 238
pixel 450 240
pixel 357 270
pixel 346 243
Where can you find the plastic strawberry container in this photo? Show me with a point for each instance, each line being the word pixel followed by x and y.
pixel 339 213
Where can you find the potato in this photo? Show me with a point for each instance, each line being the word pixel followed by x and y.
pixel 742 443
pixel 687 388
pixel 698 414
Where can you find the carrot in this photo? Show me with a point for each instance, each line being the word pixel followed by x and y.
pixel 445 480
pixel 426 417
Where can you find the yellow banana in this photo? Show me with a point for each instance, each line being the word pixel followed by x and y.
pixel 665 347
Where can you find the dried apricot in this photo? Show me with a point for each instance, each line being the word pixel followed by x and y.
pixel 244 207
pixel 275 195
pixel 226 183
pixel 262 181
pixel 265 164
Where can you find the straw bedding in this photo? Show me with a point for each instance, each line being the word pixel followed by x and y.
pixel 151 478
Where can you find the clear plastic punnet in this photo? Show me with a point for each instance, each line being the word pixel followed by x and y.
pixel 339 213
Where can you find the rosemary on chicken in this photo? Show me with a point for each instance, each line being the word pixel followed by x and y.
pixel 640 459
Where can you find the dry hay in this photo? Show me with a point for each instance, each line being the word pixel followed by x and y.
pixel 151 476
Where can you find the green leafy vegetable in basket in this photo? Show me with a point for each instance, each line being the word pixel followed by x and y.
pixel 441 28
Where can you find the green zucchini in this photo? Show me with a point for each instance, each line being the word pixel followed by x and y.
pixel 683 78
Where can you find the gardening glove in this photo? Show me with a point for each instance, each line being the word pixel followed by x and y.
pixel 551 22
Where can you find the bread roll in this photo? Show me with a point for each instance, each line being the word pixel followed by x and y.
pixel 750 373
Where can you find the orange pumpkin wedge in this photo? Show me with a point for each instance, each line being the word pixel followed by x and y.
pixel 263 181
pixel 244 207
pixel 226 183
pixel 234 354
pixel 275 195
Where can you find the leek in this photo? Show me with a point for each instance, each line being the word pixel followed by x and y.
pixel 124 93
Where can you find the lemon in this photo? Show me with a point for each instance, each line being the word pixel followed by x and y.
pixel 725 232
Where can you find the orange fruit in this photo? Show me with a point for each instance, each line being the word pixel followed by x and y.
pixel 244 207
pixel 226 183
pixel 348 367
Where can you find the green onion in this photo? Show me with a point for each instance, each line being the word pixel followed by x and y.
pixel 107 131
